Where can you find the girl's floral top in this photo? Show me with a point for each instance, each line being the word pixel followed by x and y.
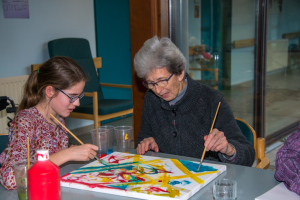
pixel 42 135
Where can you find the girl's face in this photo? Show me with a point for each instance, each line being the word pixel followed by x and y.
pixel 60 104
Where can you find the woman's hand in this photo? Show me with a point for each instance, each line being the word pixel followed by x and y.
pixel 146 145
pixel 216 141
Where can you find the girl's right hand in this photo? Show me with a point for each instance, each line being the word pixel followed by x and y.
pixel 82 152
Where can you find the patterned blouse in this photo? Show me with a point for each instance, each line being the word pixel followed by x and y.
pixel 42 135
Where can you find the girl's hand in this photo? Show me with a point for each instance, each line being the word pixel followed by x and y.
pixel 82 152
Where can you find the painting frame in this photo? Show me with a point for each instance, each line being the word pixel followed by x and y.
pixel 144 177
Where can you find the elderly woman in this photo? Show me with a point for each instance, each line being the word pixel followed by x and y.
pixel 178 112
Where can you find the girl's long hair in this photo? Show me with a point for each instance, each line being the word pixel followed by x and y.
pixel 59 72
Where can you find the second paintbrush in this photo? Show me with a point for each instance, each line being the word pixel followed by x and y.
pixel 209 133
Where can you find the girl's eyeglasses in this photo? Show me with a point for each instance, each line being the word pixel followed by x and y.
pixel 72 99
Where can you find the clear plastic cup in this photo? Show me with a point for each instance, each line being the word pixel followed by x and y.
pixel 99 138
pixel 124 137
pixel 225 189
pixel 20 172
pixel 110 137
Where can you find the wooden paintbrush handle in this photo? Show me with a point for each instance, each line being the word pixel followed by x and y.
pixel 66 129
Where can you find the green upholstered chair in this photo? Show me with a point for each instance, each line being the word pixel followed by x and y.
pixel 93 106
pixel 258 144
pixel 3 142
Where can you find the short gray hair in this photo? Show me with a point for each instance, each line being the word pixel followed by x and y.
pixel 157 53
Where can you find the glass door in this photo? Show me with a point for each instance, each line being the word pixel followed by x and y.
pixel 255 68
pixel 282 98
pixel 220 39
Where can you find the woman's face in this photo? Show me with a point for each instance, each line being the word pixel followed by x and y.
pixel 172 89
pixel 61 105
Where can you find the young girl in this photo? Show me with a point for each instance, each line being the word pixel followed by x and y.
pixel 54 89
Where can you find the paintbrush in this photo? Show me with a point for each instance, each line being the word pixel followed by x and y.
pixel 209 133
pixel 71 133
pixel 28 153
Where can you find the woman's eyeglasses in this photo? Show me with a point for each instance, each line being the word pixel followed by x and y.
pixel 72 99
pixel 161 83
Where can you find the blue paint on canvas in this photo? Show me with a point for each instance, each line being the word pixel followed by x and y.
pixel 184 182
pixel 193 167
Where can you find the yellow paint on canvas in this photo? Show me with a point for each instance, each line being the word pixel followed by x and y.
pixel 186 171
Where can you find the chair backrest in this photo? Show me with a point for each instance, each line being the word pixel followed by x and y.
pixel 248 132
pixel 79 50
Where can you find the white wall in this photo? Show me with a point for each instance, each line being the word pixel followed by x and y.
pixel 24 41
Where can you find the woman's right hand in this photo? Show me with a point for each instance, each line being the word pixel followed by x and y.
pixel 146 145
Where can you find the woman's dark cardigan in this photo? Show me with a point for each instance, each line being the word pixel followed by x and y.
pixel 193 115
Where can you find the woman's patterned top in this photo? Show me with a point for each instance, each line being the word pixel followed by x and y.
pixel 42 135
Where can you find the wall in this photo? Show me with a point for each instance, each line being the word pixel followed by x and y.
pixel 243 27
pixel 285 21
pixel 113 45
pixel 24 41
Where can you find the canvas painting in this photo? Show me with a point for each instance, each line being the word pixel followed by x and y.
pixel 143 177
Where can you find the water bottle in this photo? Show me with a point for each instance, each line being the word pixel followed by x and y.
pixel 43 178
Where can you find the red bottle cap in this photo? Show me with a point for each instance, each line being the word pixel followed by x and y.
pixel 42 154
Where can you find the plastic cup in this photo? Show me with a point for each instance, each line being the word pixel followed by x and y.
pixel 123 136
pixel 110 137
pixel 99 138
pixel 20 171
pixel 225 189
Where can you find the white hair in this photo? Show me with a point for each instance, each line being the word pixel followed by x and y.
pixel 157 53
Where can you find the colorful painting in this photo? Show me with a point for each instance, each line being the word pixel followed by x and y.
pixel 143 177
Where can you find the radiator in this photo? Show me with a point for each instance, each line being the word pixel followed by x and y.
pixel 11 87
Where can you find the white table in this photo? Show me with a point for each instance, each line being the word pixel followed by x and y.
pixel 251 182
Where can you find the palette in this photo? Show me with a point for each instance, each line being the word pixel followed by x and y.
pixel 143 177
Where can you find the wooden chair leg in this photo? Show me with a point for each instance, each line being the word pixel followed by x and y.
pixel 262 161
pixel 95 109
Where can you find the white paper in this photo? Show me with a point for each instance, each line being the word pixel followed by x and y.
pixel 279 192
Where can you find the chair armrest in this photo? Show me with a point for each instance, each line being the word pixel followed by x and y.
pixel 97 62
pixel 35 67
pixel 264 163
pixel 88 94
pixel 203 69
pixel 115 85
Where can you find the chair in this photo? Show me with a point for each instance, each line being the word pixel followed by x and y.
pixel 96 108
pixel 195 52
pixel 3 141
pixel 258 144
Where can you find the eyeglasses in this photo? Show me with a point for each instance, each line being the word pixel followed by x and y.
pixel 72 99
pixel 161 83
